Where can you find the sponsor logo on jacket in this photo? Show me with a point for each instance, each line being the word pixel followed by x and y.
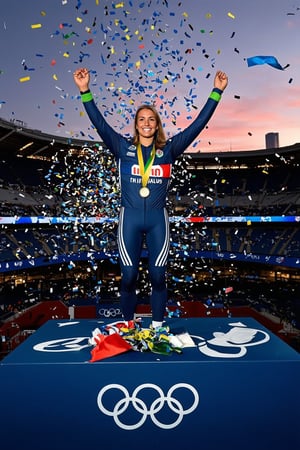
pixel 159 171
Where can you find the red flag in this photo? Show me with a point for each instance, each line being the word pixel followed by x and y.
pixel 108 346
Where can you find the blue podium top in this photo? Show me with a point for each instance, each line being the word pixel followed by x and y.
pixel 215 339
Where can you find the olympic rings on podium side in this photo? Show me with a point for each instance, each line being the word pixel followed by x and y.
pixel 140 406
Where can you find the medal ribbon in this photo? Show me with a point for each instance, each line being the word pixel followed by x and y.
pixel 145 169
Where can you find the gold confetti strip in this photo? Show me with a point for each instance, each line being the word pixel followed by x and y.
pixel 23 79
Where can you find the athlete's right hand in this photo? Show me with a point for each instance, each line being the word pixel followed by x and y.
pixel 82 79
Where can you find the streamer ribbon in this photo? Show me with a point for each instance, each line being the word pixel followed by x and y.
pixel 270 60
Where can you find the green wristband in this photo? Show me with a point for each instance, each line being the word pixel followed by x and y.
pixel 215 96
pixel 87 97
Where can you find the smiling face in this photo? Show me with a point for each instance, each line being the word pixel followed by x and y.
pixel 146 125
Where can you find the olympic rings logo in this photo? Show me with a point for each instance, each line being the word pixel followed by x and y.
pixel 141 407
pixel 110 312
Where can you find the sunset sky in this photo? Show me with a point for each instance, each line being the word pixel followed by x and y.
pixel 162 52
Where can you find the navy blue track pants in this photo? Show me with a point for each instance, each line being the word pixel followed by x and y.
pixel 134 224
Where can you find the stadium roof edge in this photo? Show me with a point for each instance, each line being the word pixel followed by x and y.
pixel 15 135
pixel 240 153
pixel 19 128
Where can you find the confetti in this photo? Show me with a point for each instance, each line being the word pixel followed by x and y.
pixel 149 51
pixel 24 79
pixel 36 25
pixel 258 60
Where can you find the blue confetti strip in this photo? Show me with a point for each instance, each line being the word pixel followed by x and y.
pixel 258 60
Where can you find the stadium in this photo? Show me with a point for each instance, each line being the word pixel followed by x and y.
pixel 235 236
pixel 217 366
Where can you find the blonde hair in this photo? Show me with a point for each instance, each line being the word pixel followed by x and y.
pixel 159 137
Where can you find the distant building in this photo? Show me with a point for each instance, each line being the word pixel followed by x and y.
pixel 272 140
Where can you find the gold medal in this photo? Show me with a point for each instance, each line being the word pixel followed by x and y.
pixel 144 192
pixel 145 170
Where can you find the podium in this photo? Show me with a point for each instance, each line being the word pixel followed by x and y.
pixel 236 388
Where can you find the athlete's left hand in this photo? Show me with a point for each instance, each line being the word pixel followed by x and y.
pixel 221 80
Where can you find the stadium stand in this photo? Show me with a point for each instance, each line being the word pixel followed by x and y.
pixel 234 223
